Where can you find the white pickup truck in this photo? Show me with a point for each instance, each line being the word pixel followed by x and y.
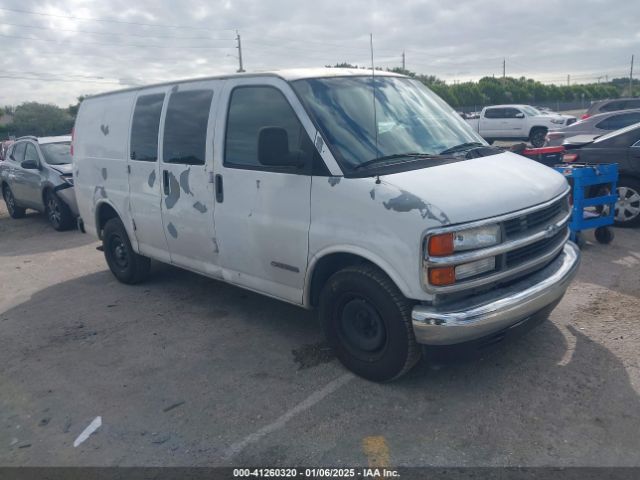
pixel 400 224
pixel 517 122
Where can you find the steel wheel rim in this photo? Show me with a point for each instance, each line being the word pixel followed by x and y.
pixel 119 252
pixel 361 327
pixel 628 204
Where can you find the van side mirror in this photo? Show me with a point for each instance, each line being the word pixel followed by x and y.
pixel 29 165
pixel 273 148
pixel 520 115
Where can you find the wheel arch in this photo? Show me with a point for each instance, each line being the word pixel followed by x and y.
pixel 537 127
pixel 105 211
pixel 326 262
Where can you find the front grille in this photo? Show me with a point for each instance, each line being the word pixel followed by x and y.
pixel 529 241
pixel 533 220
pixel 536 249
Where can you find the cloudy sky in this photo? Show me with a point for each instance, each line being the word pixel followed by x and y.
pixel 53 51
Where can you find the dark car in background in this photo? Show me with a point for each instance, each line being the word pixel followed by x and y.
pixel 621 147
pixel 604 106
pixel 600 124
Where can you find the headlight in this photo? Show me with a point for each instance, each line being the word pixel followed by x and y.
pixel 446 244
pixel 470 239
pixel 558 121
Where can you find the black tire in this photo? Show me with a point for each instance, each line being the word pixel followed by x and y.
pixel 14 210
pixel 627 213
pixel 127 266
pixel 58 212
pixel 604 235
pixel 367 321
pixel 538 137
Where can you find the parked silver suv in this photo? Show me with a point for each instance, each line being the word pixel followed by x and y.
pixel 37 174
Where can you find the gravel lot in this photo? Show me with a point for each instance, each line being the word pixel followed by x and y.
pixel 186 371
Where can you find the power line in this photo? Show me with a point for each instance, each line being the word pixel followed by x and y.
pixel 201 47
pixel 114 34
pixel 42 79
pixel 109 20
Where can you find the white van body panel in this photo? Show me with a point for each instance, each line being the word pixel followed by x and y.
pixel 145 189
pixel 188 208
pixel 263 223
pixel 101 136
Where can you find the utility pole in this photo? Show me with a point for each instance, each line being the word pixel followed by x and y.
pixel 568 80
pixel 403 61
pixel 504 68
pixel 239 47
pixel 631 78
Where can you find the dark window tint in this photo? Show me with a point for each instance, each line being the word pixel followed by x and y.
pixel 619 121
pixel 18 151
pixel 494 113
pixel 612 106
pixel 511 112
pixel 31 153
pixel 185 128
pixel 144 129
pixel 250 110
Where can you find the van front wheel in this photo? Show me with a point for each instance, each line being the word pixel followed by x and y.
pixel 367 321
pixel 125 264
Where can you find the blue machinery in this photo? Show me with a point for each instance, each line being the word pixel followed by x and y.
pixel 591 211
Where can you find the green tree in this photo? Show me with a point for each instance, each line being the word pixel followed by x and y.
pixel 32 118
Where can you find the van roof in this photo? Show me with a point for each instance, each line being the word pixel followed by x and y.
pixel 287 75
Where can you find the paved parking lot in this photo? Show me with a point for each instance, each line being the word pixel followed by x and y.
pixel 184 370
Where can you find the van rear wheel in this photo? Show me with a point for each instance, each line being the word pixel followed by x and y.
pixel 127 266
pixel 367 321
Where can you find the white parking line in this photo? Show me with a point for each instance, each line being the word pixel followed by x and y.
pixel 86 433
pixel 309 402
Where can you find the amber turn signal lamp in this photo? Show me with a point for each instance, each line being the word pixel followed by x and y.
pixel 440 245
pixel 442 276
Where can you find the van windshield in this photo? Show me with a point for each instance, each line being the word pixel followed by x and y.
pixel 409 118
pixel 56 153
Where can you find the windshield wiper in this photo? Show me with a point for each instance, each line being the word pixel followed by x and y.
pixel 393 157
pixel 462 147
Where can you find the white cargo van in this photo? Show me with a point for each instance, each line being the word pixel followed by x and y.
pixel 398 222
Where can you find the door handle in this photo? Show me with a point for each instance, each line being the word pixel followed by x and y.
pixel 219 189
pixel 165 182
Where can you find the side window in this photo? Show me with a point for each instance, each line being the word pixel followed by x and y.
pixel 633 104
pixel 31 153
pixel 493 113
pixel 250 110
pixel 185 127
pixel 511 112
pixel 145 126
pixel 18 151
pixel 619 121
pixel 612 107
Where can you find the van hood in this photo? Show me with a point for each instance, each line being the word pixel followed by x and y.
pixel 477 188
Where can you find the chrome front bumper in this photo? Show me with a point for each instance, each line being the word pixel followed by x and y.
pixel 491 312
